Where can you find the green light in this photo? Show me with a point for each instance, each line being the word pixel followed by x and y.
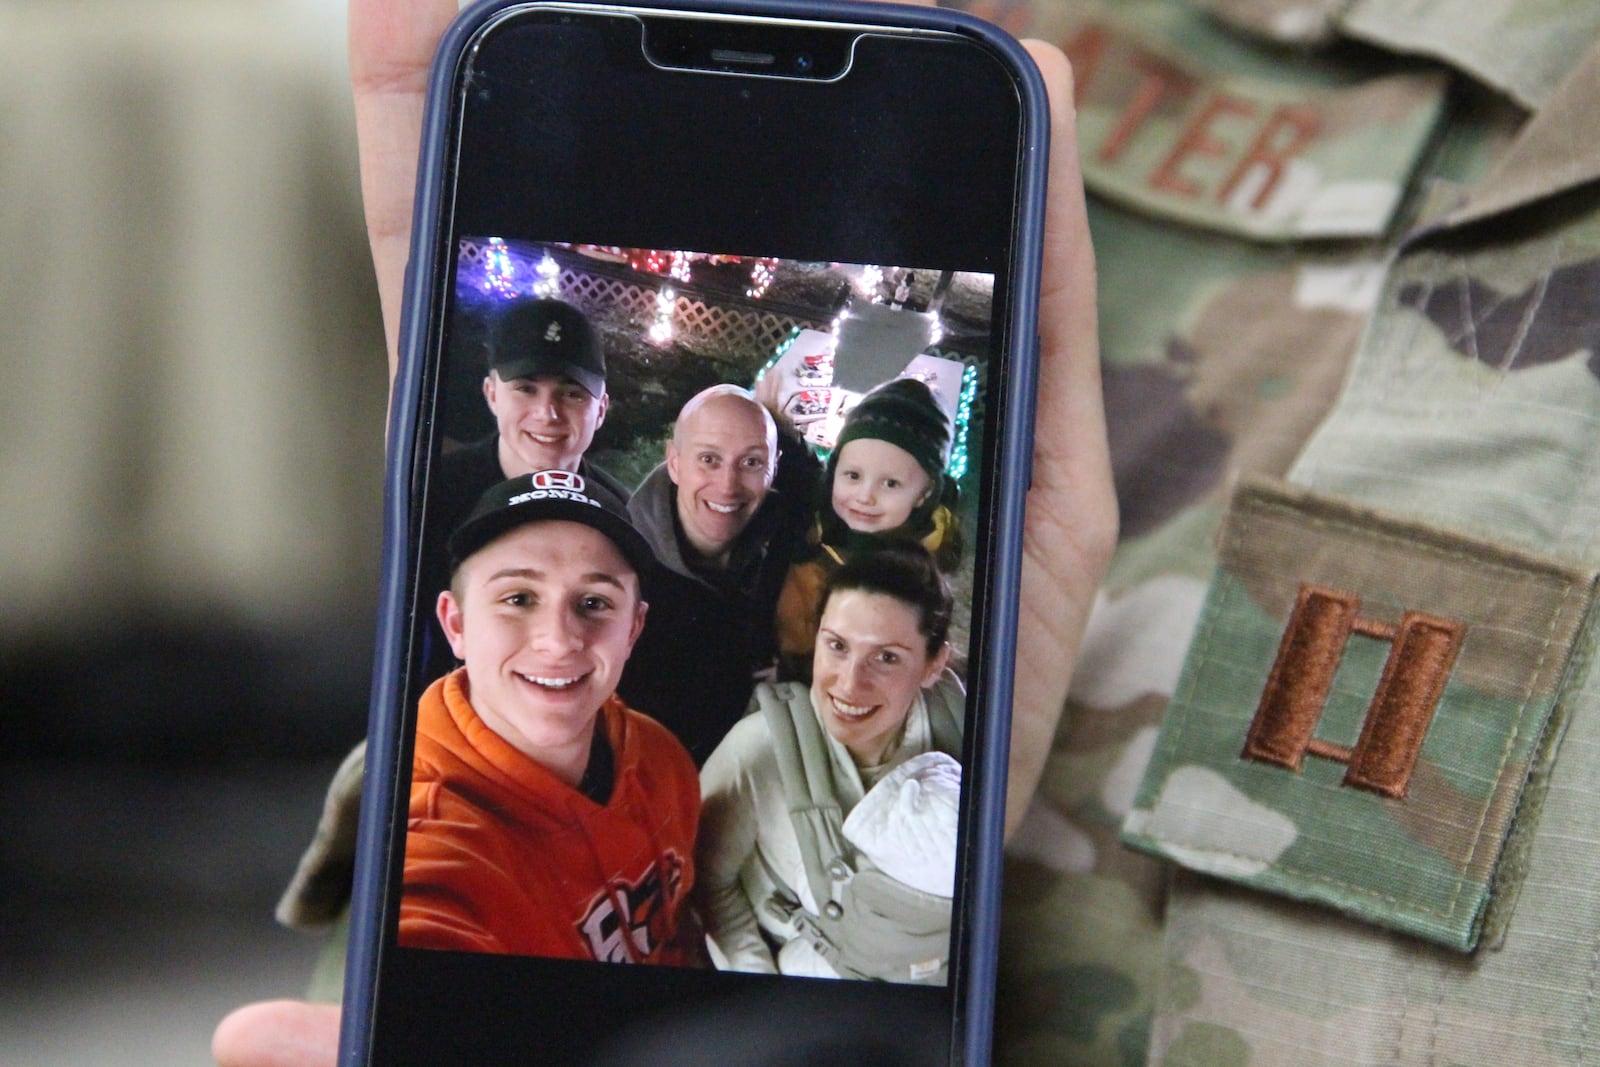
pixel 958 450
pixel 794 335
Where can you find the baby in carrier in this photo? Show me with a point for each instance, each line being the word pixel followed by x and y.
pixel 902 854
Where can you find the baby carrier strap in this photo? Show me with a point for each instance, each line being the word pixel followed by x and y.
pixel 809 788
pixel 946 702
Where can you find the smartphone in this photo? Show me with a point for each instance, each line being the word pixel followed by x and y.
pixel 707 458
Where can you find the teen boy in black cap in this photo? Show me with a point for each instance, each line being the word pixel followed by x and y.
pixel 547 817
pixel 546 387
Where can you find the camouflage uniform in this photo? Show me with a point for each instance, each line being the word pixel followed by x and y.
pixel 1336 691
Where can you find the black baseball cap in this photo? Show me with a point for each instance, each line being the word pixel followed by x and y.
pixel 544 338
pixel 542 496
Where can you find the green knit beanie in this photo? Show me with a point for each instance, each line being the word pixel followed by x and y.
pixel 904 413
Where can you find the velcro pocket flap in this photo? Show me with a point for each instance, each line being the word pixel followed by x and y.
pixel 1365 714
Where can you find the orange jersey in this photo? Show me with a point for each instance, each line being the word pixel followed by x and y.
pixel 502 856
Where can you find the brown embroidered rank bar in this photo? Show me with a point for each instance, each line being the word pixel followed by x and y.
pixel 1422 652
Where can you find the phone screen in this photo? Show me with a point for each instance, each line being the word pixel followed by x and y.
pixel 765 322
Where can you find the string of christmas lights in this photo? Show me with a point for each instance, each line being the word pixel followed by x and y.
pixel 661 330
pixel 783 347
pixel 957 466
pixel 761 275
pixel 499 272
pixel 549 283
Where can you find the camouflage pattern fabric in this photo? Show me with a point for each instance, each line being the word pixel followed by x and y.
pixel 1295 22
pixel 1225 344
pixel 1222 351
pixel 1522 48
pixel 1452 416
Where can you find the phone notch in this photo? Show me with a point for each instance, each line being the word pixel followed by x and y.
pixel 770 49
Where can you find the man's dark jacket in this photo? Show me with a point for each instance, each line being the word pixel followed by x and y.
pixel 709 633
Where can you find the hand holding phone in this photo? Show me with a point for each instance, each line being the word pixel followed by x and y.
pixel 1071 517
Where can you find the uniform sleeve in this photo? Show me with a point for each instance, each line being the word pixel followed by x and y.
pixel 728 831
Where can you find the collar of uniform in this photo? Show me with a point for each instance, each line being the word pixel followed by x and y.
pixel 1552 154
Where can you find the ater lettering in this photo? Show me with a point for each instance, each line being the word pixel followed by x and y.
pixel 1216 141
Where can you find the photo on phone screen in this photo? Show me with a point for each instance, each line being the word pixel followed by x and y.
pixel 791 441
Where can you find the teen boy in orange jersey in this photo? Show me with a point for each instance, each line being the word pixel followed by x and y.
pixel 547 817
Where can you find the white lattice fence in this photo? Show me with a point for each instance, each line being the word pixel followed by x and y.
pixel 748 330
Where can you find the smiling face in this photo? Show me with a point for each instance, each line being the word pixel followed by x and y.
pixel 544 423
pixel 544 617
pixel 721 459
pixel 877 485
pixel 870 662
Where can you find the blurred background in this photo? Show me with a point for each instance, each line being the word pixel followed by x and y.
pixel 191 435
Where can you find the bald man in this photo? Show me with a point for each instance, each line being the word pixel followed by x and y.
pixel 725 515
